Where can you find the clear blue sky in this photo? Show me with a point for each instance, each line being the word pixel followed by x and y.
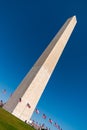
pixel 26 28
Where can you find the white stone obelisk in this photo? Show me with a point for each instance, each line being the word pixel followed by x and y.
pixel 24 100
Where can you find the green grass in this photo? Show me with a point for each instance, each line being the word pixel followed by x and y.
pixel 9 122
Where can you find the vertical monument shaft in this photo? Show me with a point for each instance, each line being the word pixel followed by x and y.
pixel 25 98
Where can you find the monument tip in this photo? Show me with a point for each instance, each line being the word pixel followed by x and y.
pixel 74 17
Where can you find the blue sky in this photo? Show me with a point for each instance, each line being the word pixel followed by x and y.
pixel 26 28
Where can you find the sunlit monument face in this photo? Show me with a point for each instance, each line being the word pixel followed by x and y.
pixel 24 100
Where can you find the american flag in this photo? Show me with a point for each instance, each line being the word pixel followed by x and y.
pixel 1 103
pixel 55 124
pixel 44 116
pixel 50 121
pixel 19 100
pixel 28 105
pixel 37 111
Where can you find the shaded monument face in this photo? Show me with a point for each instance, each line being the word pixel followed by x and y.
pixel 24 100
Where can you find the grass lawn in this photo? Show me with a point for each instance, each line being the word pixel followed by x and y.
pixel 9 122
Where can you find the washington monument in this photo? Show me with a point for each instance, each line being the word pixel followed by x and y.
pixel 24 100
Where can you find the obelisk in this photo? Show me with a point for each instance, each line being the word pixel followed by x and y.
pixel 24 100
